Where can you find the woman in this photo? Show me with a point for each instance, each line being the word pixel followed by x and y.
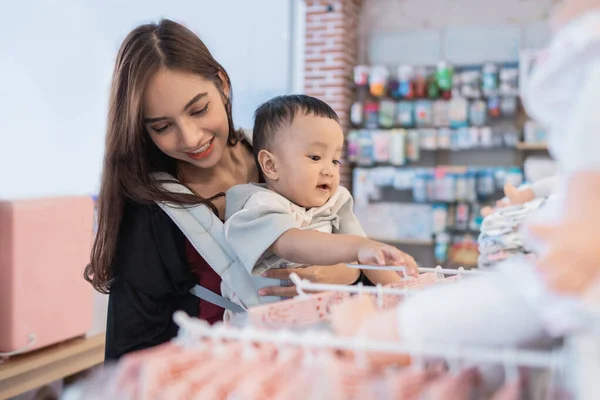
pixel 170 112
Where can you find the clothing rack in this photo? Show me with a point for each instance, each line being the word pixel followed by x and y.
pixel 304 284
pixel 438 269
pixel 193 329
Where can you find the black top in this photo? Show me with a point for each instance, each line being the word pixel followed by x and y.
pixel 152 279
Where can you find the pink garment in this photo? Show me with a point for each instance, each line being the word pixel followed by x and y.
pixel 511 391
pixel 297 312
pixel 419 282
pixel 408 384
pixel 453 387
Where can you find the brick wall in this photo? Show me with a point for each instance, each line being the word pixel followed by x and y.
pixel 331 53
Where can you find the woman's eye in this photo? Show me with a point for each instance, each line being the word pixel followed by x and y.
pixel 314 158
pixel 201 112
pixel 161 129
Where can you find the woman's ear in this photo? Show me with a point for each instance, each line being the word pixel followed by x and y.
pixel 268 164
pixel 224 84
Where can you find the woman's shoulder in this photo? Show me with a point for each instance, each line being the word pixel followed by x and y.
pixel 151 251
pixel 142 217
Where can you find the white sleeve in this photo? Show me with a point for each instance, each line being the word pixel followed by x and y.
pixel 483 310
pixel 544 187
pixel 253 229
pixel 582 140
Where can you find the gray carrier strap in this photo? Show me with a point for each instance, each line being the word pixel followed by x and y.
pixel 210 296
pixel 205 232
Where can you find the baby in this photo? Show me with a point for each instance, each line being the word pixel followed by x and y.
pixel 301 215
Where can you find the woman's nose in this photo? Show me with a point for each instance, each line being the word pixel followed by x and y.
pixel 190 136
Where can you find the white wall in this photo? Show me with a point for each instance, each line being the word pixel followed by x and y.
pixel 460 31
pixel 55 67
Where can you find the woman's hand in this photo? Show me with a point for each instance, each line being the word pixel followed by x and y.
pixel 339 274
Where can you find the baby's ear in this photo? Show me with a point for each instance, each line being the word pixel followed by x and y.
pixel 268 164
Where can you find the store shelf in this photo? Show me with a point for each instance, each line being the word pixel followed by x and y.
pixel 532 146
pixel 20 374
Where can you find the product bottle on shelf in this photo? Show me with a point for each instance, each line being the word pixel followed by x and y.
pixel 420 187
pixel 365 155
pixel 442 241
pixel 490 80
pixel 444 136
pixel 387 111
pixel 444 77
pixel 381 146
pixel 461 222
pixel 478 113
pixel 378 80
pixel 423 113
pixel 458 111
pixel 405 114
pixel 352 146
pixel 413 147
pixel 356 114
pixel 371 115
pixel 406 76
pixel 440 218
pixel 398 147
pixel 361 75
pixel 420 85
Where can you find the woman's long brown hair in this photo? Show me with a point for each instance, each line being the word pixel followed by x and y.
pixel 130 156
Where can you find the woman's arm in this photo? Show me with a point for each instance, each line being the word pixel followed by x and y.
pixel 152 280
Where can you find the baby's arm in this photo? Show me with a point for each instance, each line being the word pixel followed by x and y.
pixel 318 248
pixel 384 277
pixel 262 221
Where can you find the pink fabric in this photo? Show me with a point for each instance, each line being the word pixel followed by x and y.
pixel 453 387
pixel 297 312
pixel 236 370
pixel 511 391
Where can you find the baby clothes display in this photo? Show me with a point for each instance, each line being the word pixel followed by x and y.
pixel 313 311
pixel 500 237
pixel 224 362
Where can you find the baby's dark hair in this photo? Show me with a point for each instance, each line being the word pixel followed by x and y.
pixel 279 112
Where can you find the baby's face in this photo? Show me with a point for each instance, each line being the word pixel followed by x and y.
pixel 308 160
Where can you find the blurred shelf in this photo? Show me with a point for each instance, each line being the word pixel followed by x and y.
pixel 22 373
pixel 532 146
pixel 412 242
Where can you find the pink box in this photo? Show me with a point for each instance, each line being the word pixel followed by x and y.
pixel 44 247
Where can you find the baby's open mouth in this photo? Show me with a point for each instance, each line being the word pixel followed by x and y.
pixel 323 187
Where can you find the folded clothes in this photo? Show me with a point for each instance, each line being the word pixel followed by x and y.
pixel 500 238
pixel 492 244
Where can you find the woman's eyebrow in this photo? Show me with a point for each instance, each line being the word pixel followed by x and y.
pixel 193 100
pixel 188 105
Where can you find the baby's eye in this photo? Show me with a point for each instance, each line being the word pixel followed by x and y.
pixel 315 158
pixel 336 162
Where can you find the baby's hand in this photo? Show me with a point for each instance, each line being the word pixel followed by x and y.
pixel 376 253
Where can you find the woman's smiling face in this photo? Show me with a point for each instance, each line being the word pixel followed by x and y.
pixel 185 116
